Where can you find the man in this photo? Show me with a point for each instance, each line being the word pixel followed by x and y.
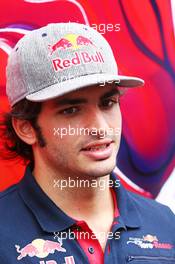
pixel 64 89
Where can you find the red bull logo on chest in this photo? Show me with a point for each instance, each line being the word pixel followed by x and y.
pixel 39 248
pixel 149 242
pixel 67 260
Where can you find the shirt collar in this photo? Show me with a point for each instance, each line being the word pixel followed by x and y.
pixel 52 219
pixel 129 213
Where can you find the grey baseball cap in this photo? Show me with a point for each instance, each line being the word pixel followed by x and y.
pixel 60 58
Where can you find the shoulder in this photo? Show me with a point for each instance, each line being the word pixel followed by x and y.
pixel 152 208
pixel 8 195
pixel 11 205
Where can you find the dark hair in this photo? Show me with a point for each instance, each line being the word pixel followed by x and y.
pixel 14 147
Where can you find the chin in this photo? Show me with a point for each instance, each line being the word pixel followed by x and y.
pixel 101 170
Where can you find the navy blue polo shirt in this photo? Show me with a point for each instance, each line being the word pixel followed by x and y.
pixel 34 230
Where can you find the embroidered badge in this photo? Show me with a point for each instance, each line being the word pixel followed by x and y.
pixel 149 241
pixel 74 43
pixel 68 260
pixel 39 248
pixel 70 41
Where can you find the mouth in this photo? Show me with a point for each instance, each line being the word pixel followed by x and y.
pixel 97 147
pixel 99 150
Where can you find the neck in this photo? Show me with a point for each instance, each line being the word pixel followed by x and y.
pixel 79 198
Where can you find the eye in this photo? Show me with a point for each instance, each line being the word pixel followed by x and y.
pixel 109 102
pixel 69 111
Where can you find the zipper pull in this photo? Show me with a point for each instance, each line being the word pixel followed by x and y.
pixel 129 258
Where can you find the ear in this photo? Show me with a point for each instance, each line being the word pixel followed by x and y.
pixel 24 130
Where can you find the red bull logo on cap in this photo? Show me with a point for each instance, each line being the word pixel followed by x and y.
pixel 78 58
pixel 72 41
pixel 39 248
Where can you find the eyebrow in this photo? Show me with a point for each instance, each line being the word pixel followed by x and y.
pixel 74 101
pixel 112 92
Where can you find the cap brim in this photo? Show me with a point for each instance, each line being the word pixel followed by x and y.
pixel 59 89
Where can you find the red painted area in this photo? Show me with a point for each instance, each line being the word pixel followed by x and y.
pixel 142 47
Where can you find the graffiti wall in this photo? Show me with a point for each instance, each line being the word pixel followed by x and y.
pixel 141 34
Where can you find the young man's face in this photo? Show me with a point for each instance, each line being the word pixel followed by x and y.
pixel 82 130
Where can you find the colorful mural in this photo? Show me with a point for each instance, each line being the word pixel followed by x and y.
pixel 141 34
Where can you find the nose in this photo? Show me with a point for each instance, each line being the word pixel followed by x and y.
pixel 97 122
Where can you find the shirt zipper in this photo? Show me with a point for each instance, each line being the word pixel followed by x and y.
pixel 131 258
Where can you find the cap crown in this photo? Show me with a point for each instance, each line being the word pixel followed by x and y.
pixel 54 54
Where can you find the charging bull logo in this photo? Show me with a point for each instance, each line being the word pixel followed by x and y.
pixel 72 41
pixel 150 238
pixel 39 248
